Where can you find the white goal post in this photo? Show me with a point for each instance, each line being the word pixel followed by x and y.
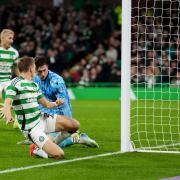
pixel 125 75
pixel 150 70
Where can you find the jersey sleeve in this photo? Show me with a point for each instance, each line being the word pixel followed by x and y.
pixel 39 93
pixel 11 92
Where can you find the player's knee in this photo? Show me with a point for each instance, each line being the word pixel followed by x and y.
pixel 76 125
pixel 59 154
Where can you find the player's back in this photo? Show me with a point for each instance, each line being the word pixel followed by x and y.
pixel 25 94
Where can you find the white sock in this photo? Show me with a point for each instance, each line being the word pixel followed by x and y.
pixel 40 153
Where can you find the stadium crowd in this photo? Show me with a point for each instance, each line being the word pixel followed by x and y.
pixel 84 45
pixel 155 45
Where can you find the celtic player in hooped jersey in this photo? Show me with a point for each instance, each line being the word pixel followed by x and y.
pixel 24 95
pixel 8 55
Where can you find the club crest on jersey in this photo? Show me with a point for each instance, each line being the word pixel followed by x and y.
pixel 41 138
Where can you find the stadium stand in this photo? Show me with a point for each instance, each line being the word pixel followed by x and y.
pixel 83 42
pixel 78 42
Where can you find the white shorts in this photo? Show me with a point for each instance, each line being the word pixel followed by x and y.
pixel 4 85
pixel 49 122
pixel 38 136
pixel 38 133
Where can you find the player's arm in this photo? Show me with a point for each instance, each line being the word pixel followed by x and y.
pixel 11 92
pixel 7 110
pixel 43 101
pixel 49 104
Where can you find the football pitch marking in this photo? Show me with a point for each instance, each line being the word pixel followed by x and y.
pixel 56 163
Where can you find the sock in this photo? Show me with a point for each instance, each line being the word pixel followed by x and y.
pixel 60 137
pixel 68 142
pixel 40 153
pixel 54 134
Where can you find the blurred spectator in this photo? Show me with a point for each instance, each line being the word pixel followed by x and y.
pixel 84 43
pixel 66 36
pixel 84 78
pixel 58 3
pixel 111 54
pixel 176 79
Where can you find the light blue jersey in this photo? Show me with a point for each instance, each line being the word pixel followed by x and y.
pixel 53 87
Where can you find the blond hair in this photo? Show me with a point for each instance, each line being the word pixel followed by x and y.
pixel 5 32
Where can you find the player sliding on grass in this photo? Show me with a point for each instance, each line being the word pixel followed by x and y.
pixel 53 87
pixel 24 95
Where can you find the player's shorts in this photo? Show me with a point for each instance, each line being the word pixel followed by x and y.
pixel 4 85
pixel 49 122
pixel 37 135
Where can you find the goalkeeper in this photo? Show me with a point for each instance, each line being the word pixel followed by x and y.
pixel 53 87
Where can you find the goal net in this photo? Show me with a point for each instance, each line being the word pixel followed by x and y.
pixel 155 75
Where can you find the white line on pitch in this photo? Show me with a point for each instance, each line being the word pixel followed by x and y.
pixel 56 163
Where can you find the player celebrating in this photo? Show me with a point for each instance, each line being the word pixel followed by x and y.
pixel 53 87
pixel 25 95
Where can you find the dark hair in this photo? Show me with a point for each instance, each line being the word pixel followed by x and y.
pixel 24 63
pixel 40 61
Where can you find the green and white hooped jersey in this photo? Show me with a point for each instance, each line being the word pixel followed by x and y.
pixel 7 58
pixel 25 95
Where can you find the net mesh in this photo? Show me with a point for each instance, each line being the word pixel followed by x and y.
pixel 155 75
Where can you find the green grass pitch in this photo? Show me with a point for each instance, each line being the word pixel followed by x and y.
pixel 101 121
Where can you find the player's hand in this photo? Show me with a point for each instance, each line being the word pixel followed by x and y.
pixel 9 120
pixel 59 101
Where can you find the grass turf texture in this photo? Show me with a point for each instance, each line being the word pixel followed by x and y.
pixel 101 121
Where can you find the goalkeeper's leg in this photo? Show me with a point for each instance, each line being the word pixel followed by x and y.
pixel 65 139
